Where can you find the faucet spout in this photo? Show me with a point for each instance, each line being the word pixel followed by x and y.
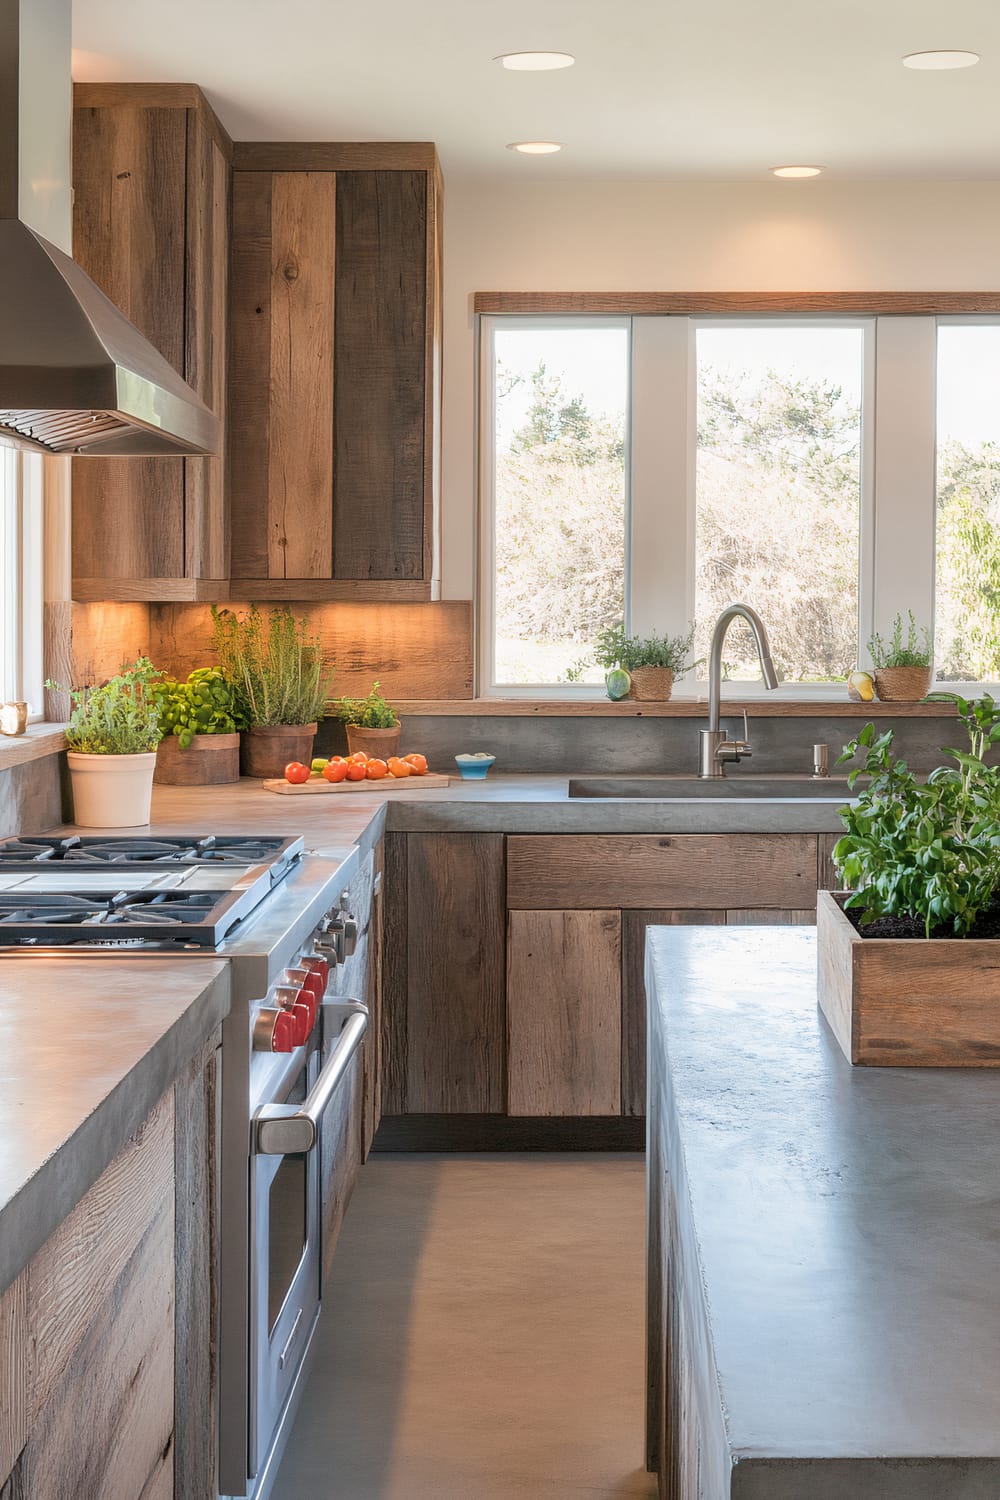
pixel 716 748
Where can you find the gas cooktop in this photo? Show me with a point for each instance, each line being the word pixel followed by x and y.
pixel 128 892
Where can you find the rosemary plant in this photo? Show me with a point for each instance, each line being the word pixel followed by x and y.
pixel 274 667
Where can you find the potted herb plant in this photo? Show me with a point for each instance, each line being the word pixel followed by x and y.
pixel 201 744
pixel 280 684
pixel 902 669
pixel 651 662
pixel 111 741
pixel 371 724
pixel 909 963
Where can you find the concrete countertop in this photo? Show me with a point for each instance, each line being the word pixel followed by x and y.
pixel 847 1230
pixel 500 804
pixel 87 1046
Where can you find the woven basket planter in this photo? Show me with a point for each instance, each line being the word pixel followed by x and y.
pixel 266 752
pixel 903 684
pixel 651 684
pixel 209 760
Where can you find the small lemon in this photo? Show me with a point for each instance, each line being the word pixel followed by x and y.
pixel 861 687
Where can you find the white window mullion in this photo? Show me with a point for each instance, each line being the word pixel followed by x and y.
pixel 904 522
pixel 661 571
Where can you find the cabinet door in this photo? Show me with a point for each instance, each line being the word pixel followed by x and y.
pixel 444 1004
pixel 335 364
pixel 564 1006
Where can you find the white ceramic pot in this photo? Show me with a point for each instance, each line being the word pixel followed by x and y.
pixel 111 791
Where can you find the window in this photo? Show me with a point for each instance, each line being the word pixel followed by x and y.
pixel 831 471
pixel 967 594
pixel 558 480
pixel 21 579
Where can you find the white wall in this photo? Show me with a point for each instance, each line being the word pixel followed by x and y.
pixel 602 237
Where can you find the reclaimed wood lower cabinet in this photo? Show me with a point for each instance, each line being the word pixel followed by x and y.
pixel 514 1011
pixel 105 1335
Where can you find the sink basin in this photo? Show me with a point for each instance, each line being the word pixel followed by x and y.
pixel 735 787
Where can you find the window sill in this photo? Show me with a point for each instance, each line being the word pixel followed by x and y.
pixel 677 708
pixel 37 741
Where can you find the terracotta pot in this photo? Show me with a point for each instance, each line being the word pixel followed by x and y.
pixel 651 684
pixel 379 743
pixel 209 760
pixel 266 752
pixel 903 684
pixel 111 791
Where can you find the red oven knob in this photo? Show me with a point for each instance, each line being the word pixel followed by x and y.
pixel 303 1018
pixel 318 966
pixel 307 979
pixel 274 1031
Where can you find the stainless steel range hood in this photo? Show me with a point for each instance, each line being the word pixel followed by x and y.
pixel 75 375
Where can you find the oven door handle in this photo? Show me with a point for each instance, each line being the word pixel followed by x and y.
pixel 286 1129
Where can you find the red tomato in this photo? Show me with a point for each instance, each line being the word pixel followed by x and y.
pixel 417 762
pixel 376 769
pixel 355 771
pixel 335 770
pixel 359 758
pixel 297 773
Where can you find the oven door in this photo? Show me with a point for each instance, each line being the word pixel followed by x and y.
pixel 285 1256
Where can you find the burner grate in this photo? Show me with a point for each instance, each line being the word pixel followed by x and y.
pixel 215 849
pixel 55 918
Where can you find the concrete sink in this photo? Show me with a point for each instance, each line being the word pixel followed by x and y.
pixel 738 786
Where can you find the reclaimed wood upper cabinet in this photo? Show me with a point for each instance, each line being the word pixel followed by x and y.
pixel 151 175
pixel 335 371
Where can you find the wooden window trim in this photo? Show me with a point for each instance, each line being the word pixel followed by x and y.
pixel 637 304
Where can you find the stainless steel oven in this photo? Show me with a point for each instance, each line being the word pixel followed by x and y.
pixel 285 1256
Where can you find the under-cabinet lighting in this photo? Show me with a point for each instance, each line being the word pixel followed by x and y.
pixel 535 148
pixel 535 62
pixel 936 61
pixel 796 171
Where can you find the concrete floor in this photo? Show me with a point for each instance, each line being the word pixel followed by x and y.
pixel 482 1337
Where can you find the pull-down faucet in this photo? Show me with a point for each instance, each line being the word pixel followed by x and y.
pixel 716 746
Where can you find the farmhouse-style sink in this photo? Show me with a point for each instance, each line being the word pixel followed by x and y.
pixel 737 787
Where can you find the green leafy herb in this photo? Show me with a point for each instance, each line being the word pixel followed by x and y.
pixel 119 718
pixel 916 651
pixel 372 712
pixel 614 648
pixel 201 705
pixel 929 851
pixel 274 667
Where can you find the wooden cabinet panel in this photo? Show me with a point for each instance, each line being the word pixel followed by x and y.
pixel 634 924
pixel 335 368
pixel 451 1001
pixel 826 874
pixel 564 1007
pixel 661 870
pixel 151 226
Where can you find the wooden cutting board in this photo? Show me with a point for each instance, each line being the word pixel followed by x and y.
pixel 317 784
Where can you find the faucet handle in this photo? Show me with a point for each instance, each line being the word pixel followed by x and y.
pixel 746 729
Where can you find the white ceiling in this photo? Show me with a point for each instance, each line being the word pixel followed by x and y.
pixel 663 89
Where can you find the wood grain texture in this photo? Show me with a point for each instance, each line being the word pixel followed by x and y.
pixel 155 96
pixel 107 1428
pixel 564 1013
pixel 129 168
pixel 15 1401
pixel 372 590
pixel 380 357
pixel 393 1029
pixel 75 1270
pixel 770 917
pixel 455 973
pixel 209 760
pixel 334 156
pixel 300 460
pixel 660 870
pixel 634 925
pixel 912 1004
pixel 659 303
pixel 149 589
pixel 196 1139
pixel 415 650
pixel 433 373
pixel 249 363
pixel 319 787
pixel 206 507
pixel 104 636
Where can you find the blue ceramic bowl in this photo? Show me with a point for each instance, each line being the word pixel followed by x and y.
pixel 474 767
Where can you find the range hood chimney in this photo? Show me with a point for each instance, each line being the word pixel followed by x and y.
pixel 75 375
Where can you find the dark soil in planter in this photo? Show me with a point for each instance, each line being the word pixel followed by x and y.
pixel 987 926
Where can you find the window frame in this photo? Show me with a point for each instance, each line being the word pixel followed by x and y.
pixel 22 595
pixel 898 511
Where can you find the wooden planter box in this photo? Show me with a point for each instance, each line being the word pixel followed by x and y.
pixel 908 1002
pixel 209 760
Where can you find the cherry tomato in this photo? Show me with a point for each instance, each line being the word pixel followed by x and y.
pixel 297 773
pixel 399 767
pixel 376 769
pixel 335 770
pixel 355 771
pixel 359 758
pixel 417 762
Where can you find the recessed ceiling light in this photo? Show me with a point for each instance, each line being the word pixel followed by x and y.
pixel 535 148
pixel 926 61
pixel 796 171
pixel 535 62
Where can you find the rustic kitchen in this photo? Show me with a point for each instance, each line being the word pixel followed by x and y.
pixel 499 814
